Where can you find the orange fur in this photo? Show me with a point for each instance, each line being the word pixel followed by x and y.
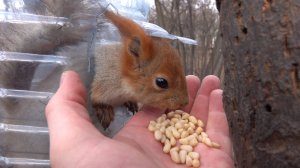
pixel 137 62
pixel 130 29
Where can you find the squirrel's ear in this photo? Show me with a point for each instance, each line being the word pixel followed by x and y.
pixel 138 43
pixel 134 46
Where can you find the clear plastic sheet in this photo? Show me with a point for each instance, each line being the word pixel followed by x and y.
pixel 39 40
pixel 157 31
pixel 134 9
pixel 138 11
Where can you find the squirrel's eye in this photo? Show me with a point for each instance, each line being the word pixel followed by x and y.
pixel 162 83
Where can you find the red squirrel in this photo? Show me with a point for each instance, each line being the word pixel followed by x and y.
pixel 142 69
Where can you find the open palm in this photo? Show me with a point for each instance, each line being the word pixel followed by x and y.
pixel 75 142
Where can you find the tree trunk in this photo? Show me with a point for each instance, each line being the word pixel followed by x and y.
pixel 261 49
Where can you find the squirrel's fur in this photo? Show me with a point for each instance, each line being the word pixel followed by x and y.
pixel 126 73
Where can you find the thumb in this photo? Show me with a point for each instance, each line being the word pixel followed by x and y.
pixel 70 94
pixel 66 114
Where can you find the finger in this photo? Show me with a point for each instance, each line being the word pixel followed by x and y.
pixel 66 114
pixel 71 92
pixel 71 88
pixel 217 125
pixel 200 106
pixel 193 84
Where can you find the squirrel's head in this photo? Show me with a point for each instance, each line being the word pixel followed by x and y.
pixel 152 69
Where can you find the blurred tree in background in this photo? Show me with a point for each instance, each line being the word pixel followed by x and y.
pixel 195 19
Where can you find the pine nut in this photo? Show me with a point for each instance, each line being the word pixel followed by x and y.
pixel 178 116
pixel 204 135
pixel 188 148
pixel 178 125
pixel 175 133
pixel 188 161
pixel 170 114
pixel 157 135
pixel 163 138
pixel 175 120
pixel 162 129
pixel 196 163
pixel 200 138
pixel 185 116
pixel 175 156
pixel 160 119
pixel 207 142
pixel 179 111
pixel 152 123
pixel 199 130
pixel 151 128
pixel 175 148
pixel 184 141
pixel 186 126
pixel 157 126
pixel 193 119
pixel 185 121
pixel 180 130
pixel 167 146
pixel 200 123
pixel 192 125
pixel 165 123
pixel 194 155
pixel 190 130
pixel 216 145
pixel 184 134
pixel 168 132
pixel 193 142
pixel 191 136
pixel 173 141
pixel 182 155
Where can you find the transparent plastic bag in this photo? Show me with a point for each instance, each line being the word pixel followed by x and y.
pixel 138 11
pixel 157 31
pixel 39 40
pixel 134 9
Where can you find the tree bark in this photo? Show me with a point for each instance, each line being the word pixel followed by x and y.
pixel 261 48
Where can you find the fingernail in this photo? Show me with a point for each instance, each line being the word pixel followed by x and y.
pixel 62 78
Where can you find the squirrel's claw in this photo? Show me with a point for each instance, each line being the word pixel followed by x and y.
pixel 105 113
pixel 131 106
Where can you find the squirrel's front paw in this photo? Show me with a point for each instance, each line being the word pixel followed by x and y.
pixel 131 106
pixel 105 114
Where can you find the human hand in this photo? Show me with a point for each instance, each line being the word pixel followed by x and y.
pixel 75 142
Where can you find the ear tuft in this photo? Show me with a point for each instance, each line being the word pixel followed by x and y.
pixel 134 46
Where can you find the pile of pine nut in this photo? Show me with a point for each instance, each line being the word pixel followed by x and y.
pixel 180 132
